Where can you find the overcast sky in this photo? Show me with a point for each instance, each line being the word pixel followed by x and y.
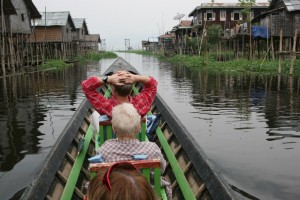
pixel 117 20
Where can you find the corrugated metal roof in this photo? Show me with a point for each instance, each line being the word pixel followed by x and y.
pixel 292 5
pixel 54 18
pixel 93 37
pixel 167 36
pixel 78 22
pixel 231 5
pixel 185 23
pixel 227 5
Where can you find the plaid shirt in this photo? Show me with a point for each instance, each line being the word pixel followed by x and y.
pixel 115 150
pixel 142 102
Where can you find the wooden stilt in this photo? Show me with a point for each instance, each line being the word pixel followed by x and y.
pixel 280 53
pixel 294 53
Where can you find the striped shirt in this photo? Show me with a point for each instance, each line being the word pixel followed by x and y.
pixel 142 102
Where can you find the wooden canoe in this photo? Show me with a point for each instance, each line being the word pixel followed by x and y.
pixel 65 172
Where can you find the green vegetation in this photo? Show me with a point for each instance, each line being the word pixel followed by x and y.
pixel 91 56
pixel 235 66
pixel 230 65
pixel 55 64
pixel 95 55
pixel 141 52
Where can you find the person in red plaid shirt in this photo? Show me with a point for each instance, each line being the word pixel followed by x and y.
pixel 121 82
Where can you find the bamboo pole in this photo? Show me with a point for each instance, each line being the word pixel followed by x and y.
pixel 250 38
pixel 294 53
pixel 11 51
pixel 280 52
pixel 3 44
pixel 202 36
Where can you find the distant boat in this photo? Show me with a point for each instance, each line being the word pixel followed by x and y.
pixel 66 172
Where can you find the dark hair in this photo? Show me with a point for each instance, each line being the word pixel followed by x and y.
pixel 125 184
pixel 123 90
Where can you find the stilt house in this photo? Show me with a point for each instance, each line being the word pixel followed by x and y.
pixel 91 42
pixel 80 34
pixel 229 16
pixel 182 32
pixel 16 49
pixel 53 35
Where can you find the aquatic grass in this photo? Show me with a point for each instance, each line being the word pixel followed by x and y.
pixel 54 64
pixel 140 52
pixel 95 56
pixel 237 65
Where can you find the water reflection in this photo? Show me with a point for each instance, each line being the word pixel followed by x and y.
pixel 239 121
pixel 34 108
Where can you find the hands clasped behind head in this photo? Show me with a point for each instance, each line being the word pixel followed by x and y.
pixel 121 78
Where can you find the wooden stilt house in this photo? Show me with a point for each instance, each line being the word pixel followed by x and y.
pixel 182 32
pixel 166 43
pixel 53 35
pixel 232 20
pixel 80 34
pixel 92 42
pixel 282 20
pixel 16 49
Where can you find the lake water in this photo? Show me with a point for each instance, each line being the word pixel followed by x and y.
pixel 248 125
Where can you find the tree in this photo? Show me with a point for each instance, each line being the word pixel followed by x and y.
pixel 246 12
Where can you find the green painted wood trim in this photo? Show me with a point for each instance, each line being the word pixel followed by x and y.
pixel 109 134
pixel 143 131
pixel 157 181
pixel 163 193
pixel 135 90
pixel 74 174
pixel 108 92
pixel 97 140
pixel 101 132
pixel 180 177
pixel 146 173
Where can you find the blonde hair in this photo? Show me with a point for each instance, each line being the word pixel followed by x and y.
pixel 126 120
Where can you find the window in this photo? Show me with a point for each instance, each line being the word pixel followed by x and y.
pixel 236 16
pixel 223 15
pixel 209 15
pixel 23 17
pixel 67 30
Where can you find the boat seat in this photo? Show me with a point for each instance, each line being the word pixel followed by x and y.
pixel 106 132
pixel 146 167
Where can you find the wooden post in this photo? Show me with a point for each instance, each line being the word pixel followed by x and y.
pixel 278 82
pixel 293 53
pixel 202 36
pixel 2 34
pixel 11 52
pixel 272 48
pixel 280 52
pixel 250 38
